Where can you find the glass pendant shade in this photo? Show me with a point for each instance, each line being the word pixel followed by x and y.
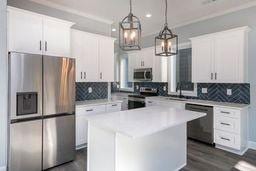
pixel 166 43
pixel 130 33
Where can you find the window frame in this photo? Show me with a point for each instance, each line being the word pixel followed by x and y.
pixel 170 84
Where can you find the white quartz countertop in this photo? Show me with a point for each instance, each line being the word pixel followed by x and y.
pixel 200 102
pixel 144 121
pixel 96 102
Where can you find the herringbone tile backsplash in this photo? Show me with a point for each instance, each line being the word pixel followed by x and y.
pixel 99 91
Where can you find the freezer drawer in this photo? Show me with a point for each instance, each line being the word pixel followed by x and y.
pixel 26 146
pixel 58 140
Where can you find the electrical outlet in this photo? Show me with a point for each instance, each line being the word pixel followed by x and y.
pixel 164 88
pixel 229 92
pixel 137 87
pixel 204 90
pixel 90 90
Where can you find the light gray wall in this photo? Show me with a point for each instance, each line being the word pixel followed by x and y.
pixel 246 17
pixel 82 23
pixel 3 85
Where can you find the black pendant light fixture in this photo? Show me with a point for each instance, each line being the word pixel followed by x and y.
pixel 130 32
pixel 166 43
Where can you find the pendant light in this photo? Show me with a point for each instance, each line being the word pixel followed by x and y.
pixel 166 43
pixel 130 32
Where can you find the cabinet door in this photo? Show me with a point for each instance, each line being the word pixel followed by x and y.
pixel 147 57
pixel 84 48
pixel 56 37
pixel 81 130
pixel 202 60
pixel 106 60
pixel 24 32
pixel 160 69
pixel 228 51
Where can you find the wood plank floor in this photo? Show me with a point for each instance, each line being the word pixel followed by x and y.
pixel 200 158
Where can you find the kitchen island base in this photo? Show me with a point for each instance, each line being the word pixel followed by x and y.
pixel 112 151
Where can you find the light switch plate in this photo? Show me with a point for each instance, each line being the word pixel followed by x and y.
pixel 90 90
pixel 137 87
pixel 204 90
pixel 229 92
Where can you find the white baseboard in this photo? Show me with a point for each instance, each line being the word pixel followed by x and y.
pixel 252 145
pixel 3 168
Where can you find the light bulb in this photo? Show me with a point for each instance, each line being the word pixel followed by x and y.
pixel 133 34
pixel 125 34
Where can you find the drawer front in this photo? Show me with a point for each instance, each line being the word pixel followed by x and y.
pixel 232 113
pixel 113 107
pixel 91 110
pixel 227 139
pixel 227 124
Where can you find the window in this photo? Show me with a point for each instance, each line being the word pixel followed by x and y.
pixel 180 72
pixel 125 85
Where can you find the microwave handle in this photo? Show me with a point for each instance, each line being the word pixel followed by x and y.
pixel 145 74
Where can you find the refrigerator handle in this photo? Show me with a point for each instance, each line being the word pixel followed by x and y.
pixel 46 48
pixel 40 45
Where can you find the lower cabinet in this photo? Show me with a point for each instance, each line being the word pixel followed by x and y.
pixel 81 122
pixel 230 129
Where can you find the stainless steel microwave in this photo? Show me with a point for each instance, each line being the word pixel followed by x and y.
pixel 143 74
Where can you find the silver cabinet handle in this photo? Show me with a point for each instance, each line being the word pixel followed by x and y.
pixel 45 47
pixel 40 45
pixel 101 75
pixel 150 102
pixel 114 105
pixel 226 139
pixel 225 124
pixel 215 75
pixel 84 75
pixel 224 112
pixel 211 76
pixel 89 110
pixel 81 75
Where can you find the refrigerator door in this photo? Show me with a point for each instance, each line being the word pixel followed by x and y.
pixel 26 146
pixel 58 140
pixel 59 85
pixel 25 85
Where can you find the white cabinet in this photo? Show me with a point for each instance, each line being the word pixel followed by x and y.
pixel 230 129
pixel 37 34
pixel 85 48
pixel 56 37
pixel 94 57
pixel 106 59
pixel 221 56
pixel 145 58
pixel 82 124
pixel 123 98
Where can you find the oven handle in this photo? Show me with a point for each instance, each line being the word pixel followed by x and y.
pixel 145 74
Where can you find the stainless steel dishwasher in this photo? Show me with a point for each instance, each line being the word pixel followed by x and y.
pixel 201 129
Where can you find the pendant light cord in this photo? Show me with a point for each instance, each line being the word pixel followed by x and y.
pixel 166 5
pixel 130 6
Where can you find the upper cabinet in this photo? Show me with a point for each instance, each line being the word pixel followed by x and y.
pixel 221 57
pixel 146 58
pixel 94 57
pixel 37 34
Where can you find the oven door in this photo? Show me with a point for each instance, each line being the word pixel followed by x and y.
pixel 134 103
pixel 143 74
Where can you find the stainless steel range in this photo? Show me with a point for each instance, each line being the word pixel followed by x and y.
pixel 138 100
pixel 41 111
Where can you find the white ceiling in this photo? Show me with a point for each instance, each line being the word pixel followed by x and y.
pixel 180 12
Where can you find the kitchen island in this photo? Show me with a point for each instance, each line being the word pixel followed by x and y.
pixel 146 139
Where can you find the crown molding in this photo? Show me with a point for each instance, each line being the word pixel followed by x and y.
pixel 73 11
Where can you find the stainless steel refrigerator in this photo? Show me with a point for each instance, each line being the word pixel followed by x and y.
pixel 41 111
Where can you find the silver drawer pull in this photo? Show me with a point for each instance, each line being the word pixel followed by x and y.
pixel 226 139
pixel 89 110
pixel 114 105
pixel 225 124
pixel 150 102
pixel 225 112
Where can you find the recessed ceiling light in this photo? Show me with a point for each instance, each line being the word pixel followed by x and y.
pixel 148 15
pixel 113 29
